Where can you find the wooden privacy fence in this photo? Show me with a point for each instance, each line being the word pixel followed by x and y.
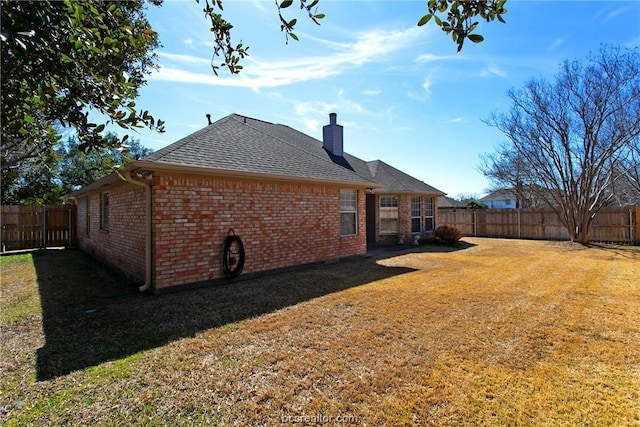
pixel 29 227
pixel 609 225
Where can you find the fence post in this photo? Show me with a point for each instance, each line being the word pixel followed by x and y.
pixel 44 227
pixel 69 240
pixel 475 223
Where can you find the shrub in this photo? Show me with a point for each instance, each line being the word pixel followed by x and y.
pixel 427 238
pixel 447 234
pixel 472 204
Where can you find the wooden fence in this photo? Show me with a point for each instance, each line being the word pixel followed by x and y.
pixel 29 227
pixel 610 225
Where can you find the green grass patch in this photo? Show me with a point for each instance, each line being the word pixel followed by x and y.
pixel 20 297
pixel 116 370
pixel 20 307
pixel 13 259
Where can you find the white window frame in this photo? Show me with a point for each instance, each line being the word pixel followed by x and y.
pixel 429 214
pixel 388 214
pixel 348 209
pixel 416 214
pixel 104 211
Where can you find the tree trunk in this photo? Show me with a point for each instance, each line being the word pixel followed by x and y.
pixel 583 228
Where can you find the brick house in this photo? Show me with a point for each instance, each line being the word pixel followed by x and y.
pixel 291 198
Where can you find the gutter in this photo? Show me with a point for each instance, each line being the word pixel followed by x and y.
pixel 147 187
pixel 239 174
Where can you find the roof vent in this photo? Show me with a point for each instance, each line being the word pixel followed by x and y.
pixel 209 118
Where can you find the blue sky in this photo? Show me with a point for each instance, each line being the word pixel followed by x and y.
pixel 401 92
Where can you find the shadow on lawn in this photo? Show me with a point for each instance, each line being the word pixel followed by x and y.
pixel 626 251
pixel 90 314
pixel 389 250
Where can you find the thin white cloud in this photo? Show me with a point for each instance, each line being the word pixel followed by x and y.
pixel 426 84
pixel 371 92
pixel 457 120
pixel 634 42
pixel 369 46
pixel 416 96
pixel 183 59
pixel 314 114
pixel 375 44
pixel 556 43
pixel 617 12
pixel 258 4
pixel 309 114
pixel 424 94
pixel 188 42
pixel 429 57
pixel 493 70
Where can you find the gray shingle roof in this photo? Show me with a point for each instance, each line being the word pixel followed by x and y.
pixel 234 145
pixel 391 179
pixel 448 202
pixel 243 144
pixel 499 194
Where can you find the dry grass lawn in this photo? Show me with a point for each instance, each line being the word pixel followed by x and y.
pixel 501 332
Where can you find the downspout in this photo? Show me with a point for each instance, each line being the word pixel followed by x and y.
pixel 147 187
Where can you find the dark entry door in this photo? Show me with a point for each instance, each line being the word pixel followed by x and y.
pixel 371 219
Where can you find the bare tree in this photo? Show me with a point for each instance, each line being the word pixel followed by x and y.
pixel 626 189
pixel 577 137
pixel 507 171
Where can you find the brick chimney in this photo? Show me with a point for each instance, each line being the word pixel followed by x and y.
pixel 332 136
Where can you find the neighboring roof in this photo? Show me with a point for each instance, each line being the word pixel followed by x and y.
pixel 448 202
pixel 499 195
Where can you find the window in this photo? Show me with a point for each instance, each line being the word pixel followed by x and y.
pixel 428 214
pixel 104 211
pixel 388 214
pixel 348 212
pixel 416 214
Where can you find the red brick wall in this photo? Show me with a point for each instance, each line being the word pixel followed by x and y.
pixel 404 217
pixel 122 246
pixel 281 225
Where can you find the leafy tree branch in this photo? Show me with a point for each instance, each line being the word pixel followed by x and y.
pixel 62 60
